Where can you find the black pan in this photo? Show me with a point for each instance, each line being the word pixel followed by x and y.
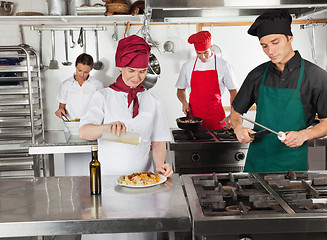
pixel 189 123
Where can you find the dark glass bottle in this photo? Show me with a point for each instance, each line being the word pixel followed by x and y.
pixel 95 172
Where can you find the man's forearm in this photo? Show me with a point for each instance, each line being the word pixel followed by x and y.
pixel 236 120
pixel 317 131
pixel 181 95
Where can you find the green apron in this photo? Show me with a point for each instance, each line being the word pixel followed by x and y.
pixel 279 109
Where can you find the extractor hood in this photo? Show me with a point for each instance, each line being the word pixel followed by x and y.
pixel 231 10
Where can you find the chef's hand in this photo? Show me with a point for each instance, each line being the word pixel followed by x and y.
pixel 60 112
pixel 228 122
pixel 186 108
pixel 165 169
pixel 295 139
pixel 116 128
pixel 243 134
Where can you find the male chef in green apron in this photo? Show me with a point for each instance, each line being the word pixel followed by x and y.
pixel 288 91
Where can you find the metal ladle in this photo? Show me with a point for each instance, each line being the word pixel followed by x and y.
pixel 42 66
pixel 67 62
pixel 115 34
pixel 98 65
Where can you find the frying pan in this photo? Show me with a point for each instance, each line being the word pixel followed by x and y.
pixel 189 123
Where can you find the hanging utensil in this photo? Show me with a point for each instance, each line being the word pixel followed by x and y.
pixel 80 38
pixel 71 34
pixel 128 24
pixel 67 62
pixel 42 66
pixel 168 46
pixel 53 62
pixel 98 64
pixel 281 135
pixel 84 41
pixel 115 34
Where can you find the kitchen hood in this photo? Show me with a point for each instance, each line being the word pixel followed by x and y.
pixel 231 10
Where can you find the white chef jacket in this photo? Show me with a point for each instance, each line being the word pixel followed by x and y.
pixel 108 105
pixel 77 97
pixel 225 73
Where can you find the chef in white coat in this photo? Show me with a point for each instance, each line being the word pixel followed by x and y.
pixel 73 96
pixel 127 106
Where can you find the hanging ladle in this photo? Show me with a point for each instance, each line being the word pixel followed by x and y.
pixel 67 62
pixel 98 65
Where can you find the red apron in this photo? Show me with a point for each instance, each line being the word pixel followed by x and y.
pixel 205 98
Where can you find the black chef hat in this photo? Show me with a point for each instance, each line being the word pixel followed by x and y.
pixel 276 21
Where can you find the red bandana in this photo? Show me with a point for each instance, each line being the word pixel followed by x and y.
pixel 120 86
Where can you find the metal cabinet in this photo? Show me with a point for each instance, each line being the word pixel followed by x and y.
pixel 21 110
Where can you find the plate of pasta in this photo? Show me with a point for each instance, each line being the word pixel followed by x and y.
pixel 141 179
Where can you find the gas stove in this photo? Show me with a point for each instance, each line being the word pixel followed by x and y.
pixel 207 151
pixel 288 205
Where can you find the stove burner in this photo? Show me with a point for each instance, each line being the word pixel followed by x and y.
pixel 225 135
pixel 201 135
pixel 238 208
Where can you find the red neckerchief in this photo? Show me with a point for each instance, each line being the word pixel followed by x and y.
pixel 120 86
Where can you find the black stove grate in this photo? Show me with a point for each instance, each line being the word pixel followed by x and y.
pixel 225 134
pixel 200 135
pixel 233 194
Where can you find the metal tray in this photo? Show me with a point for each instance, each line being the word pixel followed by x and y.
pixel 18 112
pixel 18 122
pixel 15 79
pixel 16 90
pixel 11 102
pixel 16 68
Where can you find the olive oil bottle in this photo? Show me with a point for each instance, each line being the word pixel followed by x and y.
pixel 95 172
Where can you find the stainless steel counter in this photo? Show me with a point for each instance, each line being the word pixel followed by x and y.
pixel 64 206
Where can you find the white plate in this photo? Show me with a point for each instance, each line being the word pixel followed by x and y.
pixel 163 179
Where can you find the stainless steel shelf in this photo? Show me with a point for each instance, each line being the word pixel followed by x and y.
pixel 18 122
pixel 90 19
pixel 17 79
pixel 18 112
pixel 17 68
pixel 21 114
pixel 16 90
pixel 17 102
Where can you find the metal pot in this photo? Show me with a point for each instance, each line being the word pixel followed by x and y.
pixel 6 8
pixel 189 123
pixel 154 64
pixel 150 80
pixel 153 72
pixel 57 7
pixel 72 4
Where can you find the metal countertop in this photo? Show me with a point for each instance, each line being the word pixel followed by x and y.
pixel 64 206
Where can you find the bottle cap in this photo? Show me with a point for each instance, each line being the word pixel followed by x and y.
pixel 94 148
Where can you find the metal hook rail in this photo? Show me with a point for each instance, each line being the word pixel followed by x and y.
pixel 63 28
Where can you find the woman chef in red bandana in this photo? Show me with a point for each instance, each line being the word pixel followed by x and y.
pixel 126 106
pixel 206 76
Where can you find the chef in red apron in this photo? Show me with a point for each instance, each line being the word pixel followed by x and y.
pixel 206 76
